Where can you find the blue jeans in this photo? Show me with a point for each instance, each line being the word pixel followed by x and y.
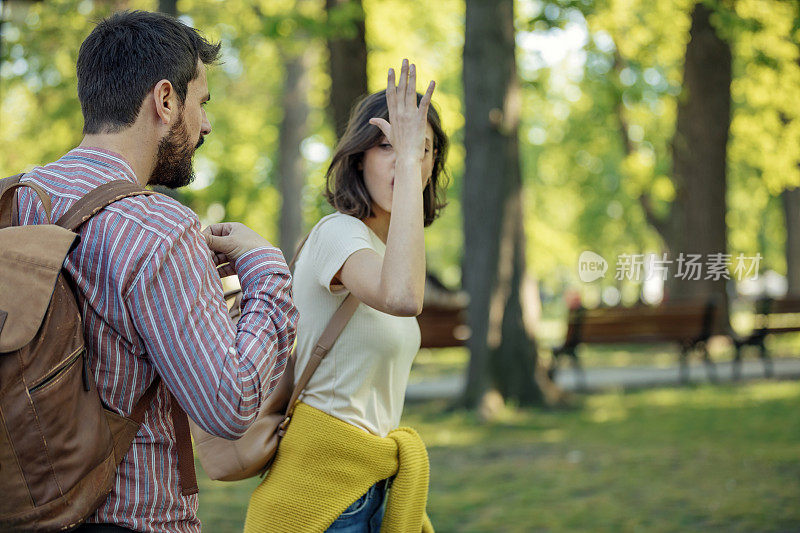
pixel 365 514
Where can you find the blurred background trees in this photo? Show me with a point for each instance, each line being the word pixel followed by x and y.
pixel 621 127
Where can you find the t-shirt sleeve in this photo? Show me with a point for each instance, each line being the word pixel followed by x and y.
pixel 336 239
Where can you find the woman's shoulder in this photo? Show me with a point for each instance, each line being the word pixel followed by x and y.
pixel 335 235
pixel 338 225
pixel 332 240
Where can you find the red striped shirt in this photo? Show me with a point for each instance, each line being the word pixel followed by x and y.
pixel 152 304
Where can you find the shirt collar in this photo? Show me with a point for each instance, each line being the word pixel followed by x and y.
pixel 114 166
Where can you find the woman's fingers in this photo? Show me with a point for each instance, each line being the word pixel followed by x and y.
pixel 384 126
pixel 402 86
pixel 405 128
pixel 403 95
pixel 391 94
pixel 411 89
pixel 425 101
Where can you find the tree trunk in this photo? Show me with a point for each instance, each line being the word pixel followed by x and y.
pixel 2 25
pixel 699 158
pixel 791 211
pixel 514 362
pixel 348 66
pixel 503 353
pixel 293 130
pixel 170 7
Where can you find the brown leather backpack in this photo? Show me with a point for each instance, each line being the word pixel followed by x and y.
pixel 59 447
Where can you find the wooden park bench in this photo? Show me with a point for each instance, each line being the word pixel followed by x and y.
pixel 685 323
pixel 442 322
pixel 771 316
pixel 442 327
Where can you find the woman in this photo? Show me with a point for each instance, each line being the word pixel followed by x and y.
pixel 342 444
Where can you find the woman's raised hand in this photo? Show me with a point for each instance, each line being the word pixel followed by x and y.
pixel 405 129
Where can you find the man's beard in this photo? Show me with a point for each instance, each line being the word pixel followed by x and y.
pixel 174 159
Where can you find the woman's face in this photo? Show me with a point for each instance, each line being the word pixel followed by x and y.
pixel 378 168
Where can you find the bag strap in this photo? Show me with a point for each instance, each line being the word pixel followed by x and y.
pixel 10 180
pixel 144 402
pixel 297 252
pixel 8 204
pixel 338 322
pixel 335 327
pixel 183 438
pixel 97 199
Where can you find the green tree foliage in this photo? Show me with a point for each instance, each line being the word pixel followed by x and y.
pixel 601 79
pixel 599 125
pixel 597 129
pixel 39 114
pixel 765 131
pixel 236 168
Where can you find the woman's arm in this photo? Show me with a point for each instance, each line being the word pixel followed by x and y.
pixel 396 283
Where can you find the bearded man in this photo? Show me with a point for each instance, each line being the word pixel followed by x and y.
pixel 145 279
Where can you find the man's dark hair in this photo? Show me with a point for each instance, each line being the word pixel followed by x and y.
pixel 345 189
pixel 123 59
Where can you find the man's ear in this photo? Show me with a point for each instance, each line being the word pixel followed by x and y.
pixel 166 101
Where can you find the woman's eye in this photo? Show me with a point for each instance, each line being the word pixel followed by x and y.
pixel 385 145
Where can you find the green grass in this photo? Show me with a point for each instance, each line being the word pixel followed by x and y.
pixel 720 458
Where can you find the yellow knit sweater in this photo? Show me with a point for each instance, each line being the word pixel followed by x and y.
pixel 324 464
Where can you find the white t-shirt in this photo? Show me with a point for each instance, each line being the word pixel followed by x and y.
pixel 363 378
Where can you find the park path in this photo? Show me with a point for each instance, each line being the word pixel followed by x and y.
pixel 620 377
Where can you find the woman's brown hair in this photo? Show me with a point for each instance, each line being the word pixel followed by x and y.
pixel 345 189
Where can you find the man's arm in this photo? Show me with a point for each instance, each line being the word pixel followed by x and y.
pixel 219 374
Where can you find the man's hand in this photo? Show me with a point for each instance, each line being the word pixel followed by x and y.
pixel 229 241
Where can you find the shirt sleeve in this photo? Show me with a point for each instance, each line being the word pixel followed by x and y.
pixel 336 239
pixel 220 374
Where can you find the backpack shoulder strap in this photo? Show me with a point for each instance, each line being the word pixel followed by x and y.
pixel 5 183
pixel 144 402
pixel 8 201
pixel 97 199
pixel 7 215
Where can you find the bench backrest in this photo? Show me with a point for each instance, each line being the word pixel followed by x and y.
pixel 443 327
pixel 778 314
pixel 683 322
